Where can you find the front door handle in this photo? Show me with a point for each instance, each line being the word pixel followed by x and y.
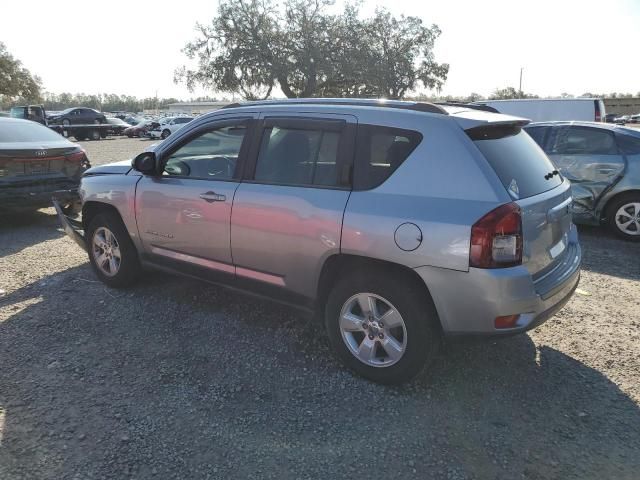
pixel 212 197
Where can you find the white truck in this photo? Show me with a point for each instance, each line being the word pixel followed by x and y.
pixel 546 110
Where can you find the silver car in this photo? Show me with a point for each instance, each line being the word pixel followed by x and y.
pixel 602 161
pixel 396 223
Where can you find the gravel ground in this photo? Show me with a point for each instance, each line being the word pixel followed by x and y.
pixel 175 379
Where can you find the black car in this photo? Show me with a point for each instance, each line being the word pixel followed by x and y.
pixel 37 163
pixel 117 126
pixel 77 116
pixel 610 117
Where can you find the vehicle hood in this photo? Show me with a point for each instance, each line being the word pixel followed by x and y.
pixel 115 168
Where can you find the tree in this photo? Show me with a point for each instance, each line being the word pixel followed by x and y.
pixel 15 80
pixel 251 46
pixel 510 93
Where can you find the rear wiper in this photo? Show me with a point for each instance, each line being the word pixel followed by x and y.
pixel 549 176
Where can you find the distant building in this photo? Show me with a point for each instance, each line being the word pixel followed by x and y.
pixel 622 106
pixel 195 108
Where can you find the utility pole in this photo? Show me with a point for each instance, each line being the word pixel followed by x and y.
pixel 520 89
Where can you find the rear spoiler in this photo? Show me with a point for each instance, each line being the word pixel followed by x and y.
pixel 473 106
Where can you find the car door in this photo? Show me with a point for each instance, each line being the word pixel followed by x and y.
pixel 75 117
pixel 287 213
pixel 590 159
pixel 183 215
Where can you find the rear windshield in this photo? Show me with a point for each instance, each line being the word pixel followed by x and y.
pixel 27 131
pixel 523 168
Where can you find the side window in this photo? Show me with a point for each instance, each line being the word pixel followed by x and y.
pixel 212 155
pixel 583 141
pixel 628 144
pixel 291 156
pixel 538 134
pixel 379 152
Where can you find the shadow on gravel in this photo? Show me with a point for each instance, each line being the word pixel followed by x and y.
pixel 20 230
pixel 603 252
pixel 176 379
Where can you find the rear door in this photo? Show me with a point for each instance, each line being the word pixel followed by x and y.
pixel 534 184
pixel 287 213
pixel 590 159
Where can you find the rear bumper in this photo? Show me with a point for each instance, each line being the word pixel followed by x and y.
pixel 37 195
pixel 469 302
pixel 72 228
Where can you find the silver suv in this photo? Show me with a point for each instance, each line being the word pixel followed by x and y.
pixel 398 223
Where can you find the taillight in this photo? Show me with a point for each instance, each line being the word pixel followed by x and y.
pixel 496 239
pixel 597 109
pixel 77 156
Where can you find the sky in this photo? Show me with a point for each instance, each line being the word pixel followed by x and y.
pixel 133 48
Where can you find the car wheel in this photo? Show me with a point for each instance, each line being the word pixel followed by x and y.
pixel 94 134
pixel 165 133
pixel 129 134
pixel 111 252
pixel 624 217
pixel 66 123
pixel 383 328
pixel 79 137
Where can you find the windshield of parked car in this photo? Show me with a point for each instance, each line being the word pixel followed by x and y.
pixel 523 168
pixel 27 131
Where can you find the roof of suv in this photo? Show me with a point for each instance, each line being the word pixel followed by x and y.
pixel 468 116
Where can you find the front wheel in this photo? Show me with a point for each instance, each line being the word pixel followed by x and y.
pixel 66 123
pixel 111 252
pixel 165 133
pixel 383 328
pixel 624 217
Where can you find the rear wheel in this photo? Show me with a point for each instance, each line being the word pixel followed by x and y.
pixel 165 133
pixel 381 327
pixel 623 217
pixel 94 135
pixel 111 252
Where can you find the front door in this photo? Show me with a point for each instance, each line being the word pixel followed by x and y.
pixel 287 213
pixel 184 214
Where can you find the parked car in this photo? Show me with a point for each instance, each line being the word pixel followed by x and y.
pixel 635 118
pixel 168 126
pixel 395 222
pixel 602 161
pixel 140 129
pixel 117 126
pixel 34 113
pixel 35 164
pixel 622 120
pixel 544 110
pixel 610 117
pixel 77 116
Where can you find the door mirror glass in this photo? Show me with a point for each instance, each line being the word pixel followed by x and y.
pixel 145 163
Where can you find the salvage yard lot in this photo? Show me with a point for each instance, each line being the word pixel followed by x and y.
pixel 179 379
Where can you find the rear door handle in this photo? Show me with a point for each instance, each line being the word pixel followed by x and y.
pixel 211 197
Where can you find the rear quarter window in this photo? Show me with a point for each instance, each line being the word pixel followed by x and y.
pixel 521 165
pixel 628 144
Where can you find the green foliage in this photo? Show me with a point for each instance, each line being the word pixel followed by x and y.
pixel 510 93
pixel 15 80
pixel 252 46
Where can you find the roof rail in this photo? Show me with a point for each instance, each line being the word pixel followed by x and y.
pixel 473 106
pixel 364 102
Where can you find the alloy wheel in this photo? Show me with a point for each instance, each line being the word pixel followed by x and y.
pixel 106 251
pixel 628 218
pixel 373 330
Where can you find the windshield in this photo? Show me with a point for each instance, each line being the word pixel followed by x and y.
pixel 522 166
pixel 27 132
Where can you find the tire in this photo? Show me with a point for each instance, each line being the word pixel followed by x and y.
pixel 94 135
pixel 79 137
pixel 419 335
pixel 623 217
pixel 66 122
pixel 129 134
pixel 165 133
pixel 103 134
pixel 122 273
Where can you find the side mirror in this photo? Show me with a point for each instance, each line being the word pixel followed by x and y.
pixel 145 163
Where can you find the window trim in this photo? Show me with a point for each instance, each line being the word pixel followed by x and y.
pixel 360 163
pixel 344 154
pixel 202 129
